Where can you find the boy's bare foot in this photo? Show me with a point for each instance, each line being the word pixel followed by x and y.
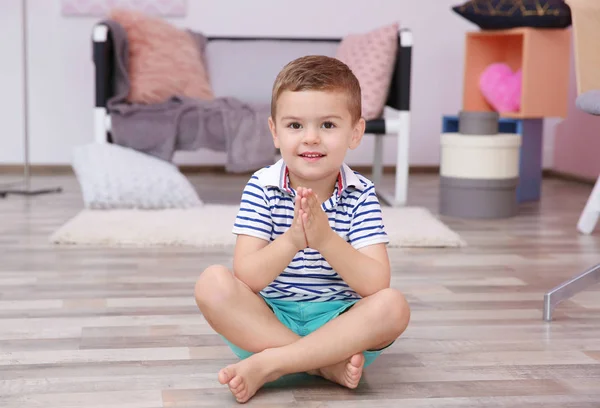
pixel 248 376
pixel 346 373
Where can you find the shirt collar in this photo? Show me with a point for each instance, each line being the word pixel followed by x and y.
pixel 277 175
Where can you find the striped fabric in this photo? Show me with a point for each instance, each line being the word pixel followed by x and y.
pixel 267 210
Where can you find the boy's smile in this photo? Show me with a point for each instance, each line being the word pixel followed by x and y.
pixel 313 130
pixel 312 157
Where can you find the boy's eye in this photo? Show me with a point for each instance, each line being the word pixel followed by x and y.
pixel 328 125
pixel 295 125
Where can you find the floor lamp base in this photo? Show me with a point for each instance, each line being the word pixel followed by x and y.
pixel 30 192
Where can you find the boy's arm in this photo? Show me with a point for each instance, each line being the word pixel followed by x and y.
pixel 257 262
pixel 365 270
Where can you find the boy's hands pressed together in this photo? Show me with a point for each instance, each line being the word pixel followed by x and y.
pixel 296 230
pixel 314 219
pixel 365 270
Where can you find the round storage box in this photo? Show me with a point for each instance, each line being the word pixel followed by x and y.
pixel 480 156
pixel 479 175
pixel 472 198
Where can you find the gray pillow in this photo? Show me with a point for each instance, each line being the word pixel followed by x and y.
pixel 589 102
pixel 113 176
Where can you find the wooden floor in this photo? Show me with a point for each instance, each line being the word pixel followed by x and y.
pixel 87 327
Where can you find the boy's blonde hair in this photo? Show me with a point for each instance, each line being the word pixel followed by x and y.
pixel 318 73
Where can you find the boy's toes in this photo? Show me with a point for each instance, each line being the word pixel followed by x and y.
pixel 242 396
pixel 354 370
pixel 225 375
pixel 241 393
pixel 235 383
pixel 357 361
pixel 353 374
pixel 351 369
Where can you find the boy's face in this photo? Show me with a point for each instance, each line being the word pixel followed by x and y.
pixel 314 130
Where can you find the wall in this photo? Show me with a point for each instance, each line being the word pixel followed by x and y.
pixel 61 69
pixel 577 139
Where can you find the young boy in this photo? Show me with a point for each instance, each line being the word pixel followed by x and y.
pixel 310 288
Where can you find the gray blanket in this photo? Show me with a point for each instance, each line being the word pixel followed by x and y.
pixel 181 123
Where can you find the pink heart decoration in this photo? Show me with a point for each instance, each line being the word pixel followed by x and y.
pixel 501 88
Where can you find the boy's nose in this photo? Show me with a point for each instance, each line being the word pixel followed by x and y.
pixel 311 136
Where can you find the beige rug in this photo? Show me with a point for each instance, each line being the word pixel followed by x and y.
pixel 209 227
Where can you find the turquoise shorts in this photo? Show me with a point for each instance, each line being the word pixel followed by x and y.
pixel 304 318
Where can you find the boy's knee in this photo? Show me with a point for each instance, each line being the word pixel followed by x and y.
pixel 215 285
pixel 394 309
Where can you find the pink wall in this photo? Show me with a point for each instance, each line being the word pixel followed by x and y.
pixel 577 139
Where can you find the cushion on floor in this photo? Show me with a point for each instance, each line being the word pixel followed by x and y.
pixel 116 177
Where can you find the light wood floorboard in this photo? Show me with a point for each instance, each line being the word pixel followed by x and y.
pixel 97 327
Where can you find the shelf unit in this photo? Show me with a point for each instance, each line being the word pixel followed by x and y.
pixel 543 56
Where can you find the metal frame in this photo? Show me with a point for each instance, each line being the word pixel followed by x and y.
pixel 590 214
pixel 586 224
pixel 568 289
pixel 398 98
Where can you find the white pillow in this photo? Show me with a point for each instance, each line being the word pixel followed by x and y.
pixel 113 176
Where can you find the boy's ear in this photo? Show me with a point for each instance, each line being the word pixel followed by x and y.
pixel 357 133
pixel 273 132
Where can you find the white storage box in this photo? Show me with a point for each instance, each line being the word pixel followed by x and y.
pixel 480 156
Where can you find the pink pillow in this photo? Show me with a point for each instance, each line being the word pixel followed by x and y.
pixel 371 58
pixel 164 61
pixel 501 88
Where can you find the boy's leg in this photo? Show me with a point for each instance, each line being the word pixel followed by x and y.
pixel 237 313
pixel 244 319
pixel 372 323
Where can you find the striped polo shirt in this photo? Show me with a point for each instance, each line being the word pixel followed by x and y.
pixel 267 210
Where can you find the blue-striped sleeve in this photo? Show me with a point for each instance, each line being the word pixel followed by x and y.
pixel 367 227
pixel 254 216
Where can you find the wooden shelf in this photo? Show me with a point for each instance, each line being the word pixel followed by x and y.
pixel 512 115
pixel 543 56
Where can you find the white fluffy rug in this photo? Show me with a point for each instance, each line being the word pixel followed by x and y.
pixel 209 227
